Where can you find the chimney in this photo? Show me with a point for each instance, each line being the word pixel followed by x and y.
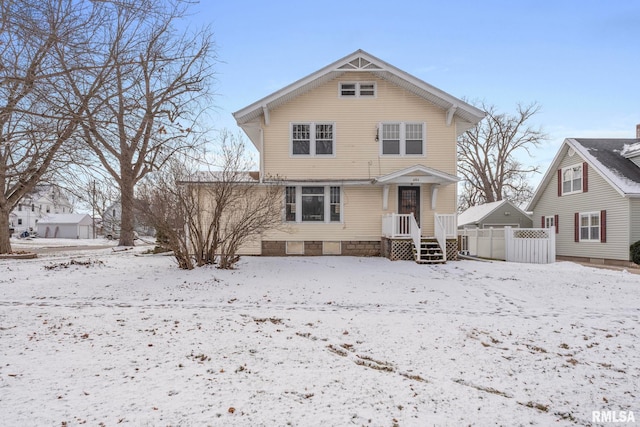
pixel 638 131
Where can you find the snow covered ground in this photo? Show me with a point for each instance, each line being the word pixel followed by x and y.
pixel 100 337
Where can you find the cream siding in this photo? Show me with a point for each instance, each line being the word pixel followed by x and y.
pixel 362 219
pixel 600 196
pixel 357 153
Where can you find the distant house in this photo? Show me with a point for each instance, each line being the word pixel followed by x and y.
pixel 498 214
pixel 44 200
pixel 591 194
pixel 112 217
pixel 66 226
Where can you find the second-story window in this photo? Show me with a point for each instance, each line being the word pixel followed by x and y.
pixel 402 139
pixel 312 139
pixel 572 179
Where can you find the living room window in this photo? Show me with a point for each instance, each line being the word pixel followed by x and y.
pixel 313 204
pixel 312 139
pixel 357 89
pixel 402 139
pixel 572 179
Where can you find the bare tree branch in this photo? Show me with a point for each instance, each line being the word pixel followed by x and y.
pixel 487 157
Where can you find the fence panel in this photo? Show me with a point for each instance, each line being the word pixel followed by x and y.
pixel 527 245
pixel 530 245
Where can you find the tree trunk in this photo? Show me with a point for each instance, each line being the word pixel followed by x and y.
pixel 5 242
pixel 127 217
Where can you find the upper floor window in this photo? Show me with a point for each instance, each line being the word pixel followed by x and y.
pixel 402 139
pixel 572 179
pixel 357 89
pixel 312 139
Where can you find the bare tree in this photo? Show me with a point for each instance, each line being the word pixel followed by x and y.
pixel 34 130
pixel 487 157
pixel 145 114
pixel 205 217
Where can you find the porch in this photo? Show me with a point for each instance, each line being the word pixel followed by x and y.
pixel 402 238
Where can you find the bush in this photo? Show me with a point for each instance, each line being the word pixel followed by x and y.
pixel 635 252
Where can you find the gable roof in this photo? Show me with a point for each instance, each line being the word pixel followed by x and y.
pixel 465 115
pixel 476 214
pixel 66 219
pixel 419 173
pixel 608 157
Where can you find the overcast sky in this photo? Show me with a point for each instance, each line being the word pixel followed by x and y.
pixel 580 60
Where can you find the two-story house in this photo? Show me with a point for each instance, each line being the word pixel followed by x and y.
pixel 591 195
pixel 44 200
pixel 367 155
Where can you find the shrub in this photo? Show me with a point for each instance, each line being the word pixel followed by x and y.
pixel 635 252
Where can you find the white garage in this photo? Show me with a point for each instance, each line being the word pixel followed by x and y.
pixel 66 226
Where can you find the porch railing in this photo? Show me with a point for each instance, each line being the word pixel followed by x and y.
pixel 397 225
pixel 402 226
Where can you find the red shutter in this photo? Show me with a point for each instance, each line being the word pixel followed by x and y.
pixel 555 221
pixel 542 221
pixel 603 226
pixel 559 182
pixel 576 231
pixel 585 178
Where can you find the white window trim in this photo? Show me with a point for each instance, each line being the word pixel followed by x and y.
pixel 549 218
pixel 312 139
pixel 563 170
pixel 358 89
pixel 599 225
pixel 327 205
pixel 403 139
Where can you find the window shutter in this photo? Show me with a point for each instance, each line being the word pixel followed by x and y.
pixel 559 182
pixel 603 226
pixel 585 180
pixel 576 226
pixel 542 224
pixel 555 221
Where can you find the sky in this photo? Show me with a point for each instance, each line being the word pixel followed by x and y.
pixel 579 60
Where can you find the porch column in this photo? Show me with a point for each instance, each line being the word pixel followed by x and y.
pixel 434 195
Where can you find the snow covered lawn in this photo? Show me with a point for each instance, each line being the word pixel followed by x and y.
pixel 106 338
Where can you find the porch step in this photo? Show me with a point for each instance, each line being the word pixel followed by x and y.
pixel 430 253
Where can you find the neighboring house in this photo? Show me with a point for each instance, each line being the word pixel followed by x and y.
pixel 13 220
pixel 498 214
pixel 367 156
pixel 591 194
pixel 66 226
pixel 110 224
pixel 45 199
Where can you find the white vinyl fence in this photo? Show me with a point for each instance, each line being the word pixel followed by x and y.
pixel 527 245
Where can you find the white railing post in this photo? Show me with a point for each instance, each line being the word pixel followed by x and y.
pixel 441 235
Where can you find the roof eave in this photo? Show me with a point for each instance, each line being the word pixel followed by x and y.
pixel 466 115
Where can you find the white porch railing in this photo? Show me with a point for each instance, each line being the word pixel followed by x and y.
pixel 441 235
pixel 402 226
pixel 397 225
pixel 449 222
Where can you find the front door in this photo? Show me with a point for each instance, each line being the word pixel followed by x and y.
pixel 409 201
